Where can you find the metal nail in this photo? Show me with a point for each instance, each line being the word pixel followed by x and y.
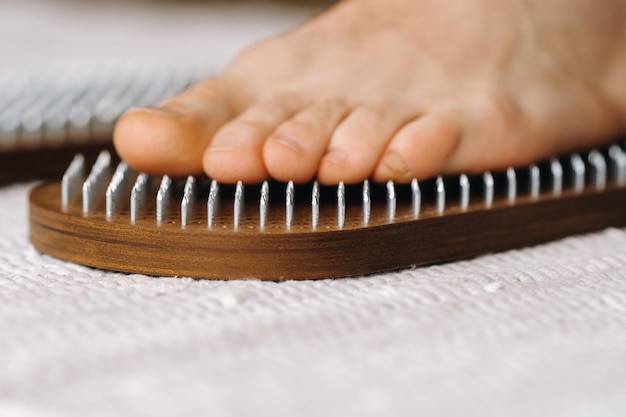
pixel 391 200
pixel 238 205
pixel 441 195
pixel 465 191
pixel 511 185
pixel 341 205
pixel 535 181
pixel 163 198
pixel 115 188
pixel 138 196
pixel 598 165
pixel 289 202
pixel 618 161
pixel 578 172
pixel 367 203
pixel 489 188
pixel 416 197
pixel 187 203
pixel 72 178
pixel 212 202
pixel 263 204
pixel 315 205
pixel 95 181
pixel 556 169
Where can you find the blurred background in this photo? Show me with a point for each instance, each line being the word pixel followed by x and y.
pixel 52 35
pixel 69 69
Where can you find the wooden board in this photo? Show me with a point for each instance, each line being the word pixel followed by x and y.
pixel 300 251
pixel 44 162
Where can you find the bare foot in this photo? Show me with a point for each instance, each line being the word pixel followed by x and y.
pixel 396 90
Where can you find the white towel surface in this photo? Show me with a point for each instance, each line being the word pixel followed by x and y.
pixel 534 332
pixel 539 331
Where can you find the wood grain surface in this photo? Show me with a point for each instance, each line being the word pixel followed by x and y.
pixel 278 253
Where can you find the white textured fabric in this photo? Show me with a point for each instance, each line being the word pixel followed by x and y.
pixel 539 331
pixel 535 332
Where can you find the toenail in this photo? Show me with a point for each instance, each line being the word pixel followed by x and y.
pixel 289 142
pixel 396 164
pixel 336 156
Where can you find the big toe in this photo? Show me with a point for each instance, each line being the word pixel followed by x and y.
pixel 170 139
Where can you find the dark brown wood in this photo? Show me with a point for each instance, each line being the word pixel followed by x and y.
pixel 45 162
pixel 302 253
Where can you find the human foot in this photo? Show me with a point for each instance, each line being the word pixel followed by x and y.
pixel 396 90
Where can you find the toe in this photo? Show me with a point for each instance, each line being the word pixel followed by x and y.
pixel 236 152
pixel 294 150
pixel 422 148
pixel 172 137
pixel 358 142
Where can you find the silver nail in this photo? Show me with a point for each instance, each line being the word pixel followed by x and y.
pixel 31 129
pixel 114 189
pixel 391 200
pixel 465 191
pixel 9 126
pixel 94 182
pixel 417 197
pixel 72 179
pixel 618 160
pixel 367 202
pixel 511 185
pixel 212 202
pixel 187 203
pixel 315 205
pixel 263 204
pixel 238 205
pixel 163 198
pixel 621 170
pixel 535 181
pixel 138 196
pixel 341 205
pixel 578 170
pixel 556 169
pixel 289 201
pixel 598 164
pixel 489 188
pixel 441 195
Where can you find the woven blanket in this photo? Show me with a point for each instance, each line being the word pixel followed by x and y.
pixel 537 331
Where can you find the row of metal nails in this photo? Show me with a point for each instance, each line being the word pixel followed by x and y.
pixel 94 185
pixel 73 108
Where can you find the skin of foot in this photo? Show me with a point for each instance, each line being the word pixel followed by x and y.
pixel 396 90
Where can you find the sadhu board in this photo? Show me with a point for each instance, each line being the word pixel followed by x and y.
pixel 110 217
